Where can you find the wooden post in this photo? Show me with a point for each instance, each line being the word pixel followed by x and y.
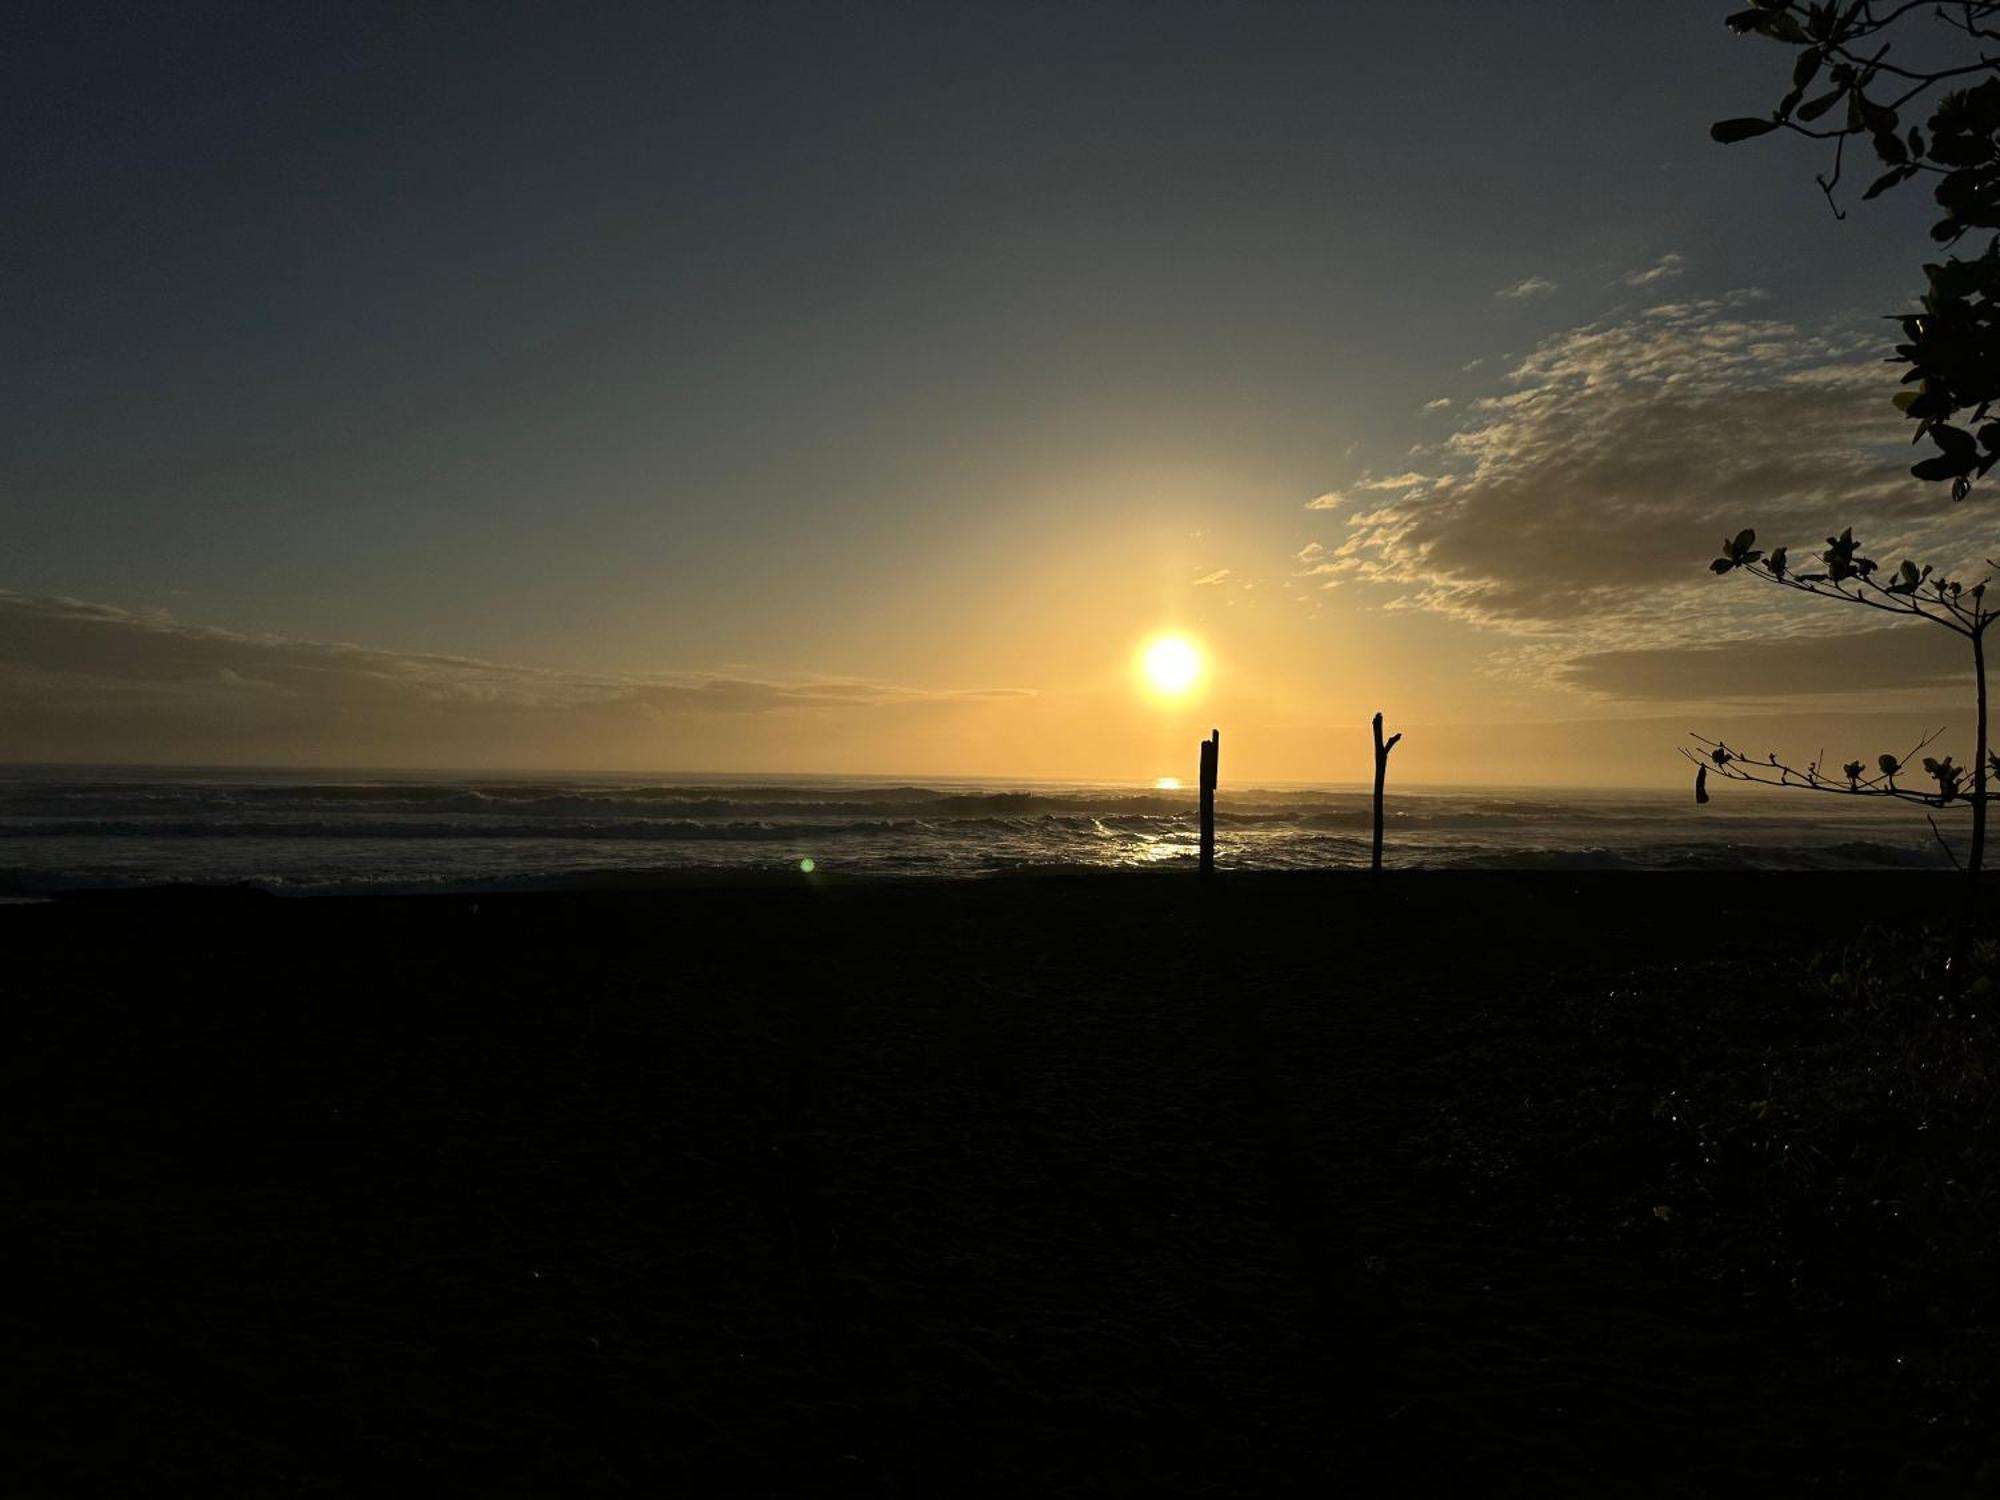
pixel 1381 770
pixel 1211 748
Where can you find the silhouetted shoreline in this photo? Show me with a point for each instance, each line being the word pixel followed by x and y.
pixel 618 885
pixel 1114 1184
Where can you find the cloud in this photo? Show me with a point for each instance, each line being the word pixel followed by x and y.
pixel 1665 268
pixel 1899 657
pixel 1331 500
pixel 1443 403
pixel 1522 291
pixel 1582 502
pixel 1216 577
pixel 1310 552
pixel 75 674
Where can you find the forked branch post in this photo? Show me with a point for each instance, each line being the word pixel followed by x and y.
pixel 1382 749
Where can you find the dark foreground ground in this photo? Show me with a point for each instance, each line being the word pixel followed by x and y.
pixel 1095 1186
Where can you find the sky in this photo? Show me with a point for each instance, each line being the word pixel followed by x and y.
pixel 858 388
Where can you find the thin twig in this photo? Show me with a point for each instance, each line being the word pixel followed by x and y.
pixel 1930 819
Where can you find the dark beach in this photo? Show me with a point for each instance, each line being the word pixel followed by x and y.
pixel 1117 1185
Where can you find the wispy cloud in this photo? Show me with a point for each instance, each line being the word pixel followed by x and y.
pixel 1443 403
pixel 1208 578
pixel 1533 286
pixel 1331 500
pixel 74 672
pixel 1665 268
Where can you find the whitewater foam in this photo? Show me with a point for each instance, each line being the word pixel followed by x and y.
pixel 65 828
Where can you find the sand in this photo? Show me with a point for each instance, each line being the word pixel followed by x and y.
pixel 1116 1185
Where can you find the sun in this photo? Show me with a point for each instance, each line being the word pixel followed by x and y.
pixel 1172 665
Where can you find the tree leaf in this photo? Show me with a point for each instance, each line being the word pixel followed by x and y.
pixel 1729 132
pixel 1886 181
pixel 1944 466
pixel 1954 440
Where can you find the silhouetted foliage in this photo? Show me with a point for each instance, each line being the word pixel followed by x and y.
pixel 1846 574
pixel 1844 86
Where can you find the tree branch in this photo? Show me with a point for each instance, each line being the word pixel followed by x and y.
pixel 1828 184
pixel 1733 765
pixel 1942 844
pixel 1907 606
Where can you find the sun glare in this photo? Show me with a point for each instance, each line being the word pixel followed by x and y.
pixel 1172 665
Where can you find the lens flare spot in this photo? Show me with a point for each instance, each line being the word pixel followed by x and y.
pixel 807 866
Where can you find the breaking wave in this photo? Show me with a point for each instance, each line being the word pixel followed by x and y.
pixel 317 832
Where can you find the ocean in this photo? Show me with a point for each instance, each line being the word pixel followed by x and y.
pixel 66 828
